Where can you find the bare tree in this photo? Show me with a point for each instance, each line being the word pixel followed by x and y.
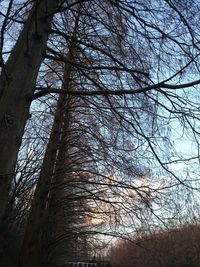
pixel 116 82
pixel 64 162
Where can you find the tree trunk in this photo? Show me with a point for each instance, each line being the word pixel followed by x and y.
pixel 32 251
pixel 56 217
pixel 16 87
pixel 32 240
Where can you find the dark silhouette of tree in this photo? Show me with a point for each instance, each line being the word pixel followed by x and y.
pixel 132 84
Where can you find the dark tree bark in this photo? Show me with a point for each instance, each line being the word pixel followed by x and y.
pixel 31 245
pixel 36 228
pixel 16 87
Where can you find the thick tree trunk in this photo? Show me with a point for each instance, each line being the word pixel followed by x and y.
pixel 16 88
pixel 31 247
pixel 34 250
pixel 56 217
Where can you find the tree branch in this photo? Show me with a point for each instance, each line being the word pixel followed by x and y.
pixel 44 91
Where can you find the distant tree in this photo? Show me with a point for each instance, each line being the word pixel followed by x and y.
pixel 175 247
